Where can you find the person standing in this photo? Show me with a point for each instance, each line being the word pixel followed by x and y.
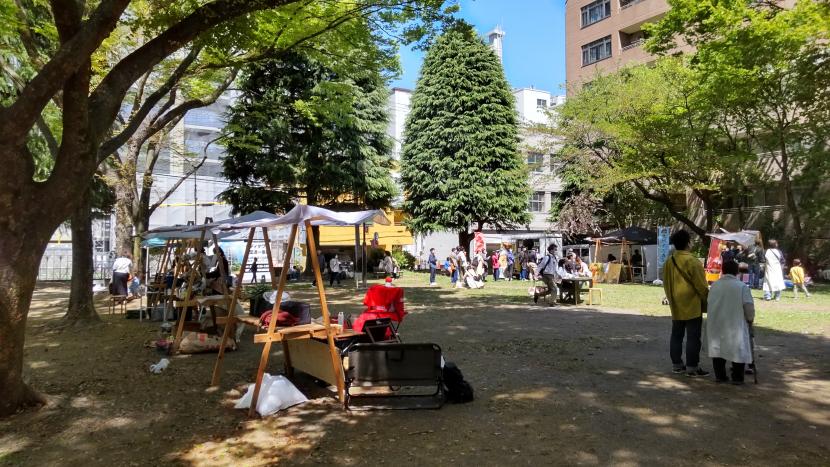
pixel 254 268
pixel 773 272
pixel 684 282
pixel 321 262
pixel 494 258
pixel 728 326
pixel 522 260
pixel 511 262
pixel 503 263
pixel 334 270
pixel 797 276
pixel 453 258
pixel 547 272
pixel 531 263
pixel 433 266
pixel 121 269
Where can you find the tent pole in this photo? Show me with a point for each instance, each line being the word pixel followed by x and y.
pixel 364 255
pixel 187 301
pixel 272 325
pixel 356 247
pixel 231 321
pixel 324 306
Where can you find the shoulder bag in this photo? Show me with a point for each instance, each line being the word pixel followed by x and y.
pixel 689 281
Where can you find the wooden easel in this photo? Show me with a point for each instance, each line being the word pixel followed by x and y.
pixel 322 361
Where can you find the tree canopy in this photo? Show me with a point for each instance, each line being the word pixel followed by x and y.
pixel 300 129
pixel 766 68
pixel 460 164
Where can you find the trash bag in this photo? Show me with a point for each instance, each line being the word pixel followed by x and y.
pixel 276 393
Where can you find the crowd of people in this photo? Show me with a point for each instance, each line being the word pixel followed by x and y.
pixel 765 269
pixel 502 264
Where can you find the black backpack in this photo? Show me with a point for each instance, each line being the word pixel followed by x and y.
pixel 457 390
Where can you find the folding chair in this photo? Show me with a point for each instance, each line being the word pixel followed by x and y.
pixel 395 365
pixel 381 330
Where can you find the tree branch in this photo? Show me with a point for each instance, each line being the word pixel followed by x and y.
pixel 176 185
pixel 19 117
pixel 106 98
pixel 137 118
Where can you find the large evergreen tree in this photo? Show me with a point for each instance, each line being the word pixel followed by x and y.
pixel 461 165
pixel 300 129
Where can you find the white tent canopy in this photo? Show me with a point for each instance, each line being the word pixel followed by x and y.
pixel 744 237
pixel 227 224
pixel 183 232
pixel 314 214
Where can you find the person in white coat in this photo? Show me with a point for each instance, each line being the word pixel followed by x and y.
pixel 731 312
pixel 773 272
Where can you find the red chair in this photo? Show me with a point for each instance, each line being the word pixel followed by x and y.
pixel 382 302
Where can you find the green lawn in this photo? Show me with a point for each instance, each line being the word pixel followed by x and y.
pixel 808 316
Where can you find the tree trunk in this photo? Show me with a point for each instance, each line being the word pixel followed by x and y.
pixel 792 206
pixel 22 243
pixel 138 258
pixel 81 303
pixel 464 239
pixel 124 208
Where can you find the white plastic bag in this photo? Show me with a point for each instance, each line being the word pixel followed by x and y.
pixel 272 295
pixel 276 393
pixel 160 366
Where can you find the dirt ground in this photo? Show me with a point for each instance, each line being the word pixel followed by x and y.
pixel 554 386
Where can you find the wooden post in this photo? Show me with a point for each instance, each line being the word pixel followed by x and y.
pixel 231 321
pixel 365 259
pixel 266 350
pixel 275 286
pixel 196 263
pixel 181 249
pixel 356 247
pixel 321 292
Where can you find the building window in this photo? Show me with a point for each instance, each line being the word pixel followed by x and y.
pixel 596 51
pixel 595 11
pixel 627 3
pixel 535 161
pixel 541 103
pixel 537 202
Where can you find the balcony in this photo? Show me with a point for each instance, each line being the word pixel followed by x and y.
pixel 627 3
pixel 633 44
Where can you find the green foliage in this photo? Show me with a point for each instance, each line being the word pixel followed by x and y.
pixel 656 129
pixel 460 163
pixel 766 68
pixel 404 259
pixel 300 129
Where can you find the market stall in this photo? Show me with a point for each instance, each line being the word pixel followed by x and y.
pixel 309 348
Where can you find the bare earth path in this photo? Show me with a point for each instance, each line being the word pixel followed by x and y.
pixel 554 386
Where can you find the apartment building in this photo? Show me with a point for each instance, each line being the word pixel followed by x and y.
pixel 602 36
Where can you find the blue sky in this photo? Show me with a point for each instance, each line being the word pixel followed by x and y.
pixel 534 42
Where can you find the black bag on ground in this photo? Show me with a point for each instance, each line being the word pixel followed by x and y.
pixel 457 389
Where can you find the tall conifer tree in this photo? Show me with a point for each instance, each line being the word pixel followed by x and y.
pixel 461 166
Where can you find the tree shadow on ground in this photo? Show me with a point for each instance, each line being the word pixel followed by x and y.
pixel 554 385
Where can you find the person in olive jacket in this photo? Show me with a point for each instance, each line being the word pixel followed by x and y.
pixel 686 290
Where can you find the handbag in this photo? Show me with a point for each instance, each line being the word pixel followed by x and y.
pixel 703 305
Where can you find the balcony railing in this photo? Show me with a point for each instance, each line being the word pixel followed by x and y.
pixel 633 44
pixel 627 3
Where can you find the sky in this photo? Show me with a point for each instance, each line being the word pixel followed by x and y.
pixel 534 42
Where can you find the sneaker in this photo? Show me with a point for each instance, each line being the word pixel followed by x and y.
pixel 678 370
pixel 697 372
pixel 433 284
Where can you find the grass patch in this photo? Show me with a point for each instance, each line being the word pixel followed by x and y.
pixel 806 316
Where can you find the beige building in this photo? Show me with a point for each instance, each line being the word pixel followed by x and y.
pixel 603 35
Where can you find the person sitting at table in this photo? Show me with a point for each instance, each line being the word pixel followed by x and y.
pixel 581 268
pixel 565 270
pixel 611 258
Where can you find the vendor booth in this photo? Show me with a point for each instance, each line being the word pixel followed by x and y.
pixel 624 244
pixel 309 348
